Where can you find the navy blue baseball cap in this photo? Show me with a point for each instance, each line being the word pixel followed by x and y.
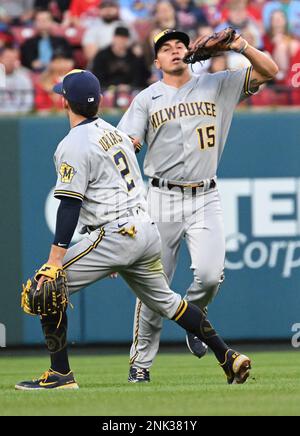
pixel 168 34
pixel 79 86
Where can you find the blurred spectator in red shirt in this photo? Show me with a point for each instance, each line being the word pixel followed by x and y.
pixel 100 33
pixel 45 98
pixel 17 96
pixel 292 79
pixel 79 7
pixel 37 52
pixel 189 16
pixel 118 64
pixel 80 11
pixel 291 10
pixel 281 44
pixel 6 38
pixel 255 9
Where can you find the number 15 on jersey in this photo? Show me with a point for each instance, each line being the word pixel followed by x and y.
pixel 206 137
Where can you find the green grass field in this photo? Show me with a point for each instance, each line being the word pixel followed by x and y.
pixel 181 385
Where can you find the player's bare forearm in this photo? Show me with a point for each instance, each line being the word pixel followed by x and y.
pixel 56 255
pixel 264 68
pixel 55 259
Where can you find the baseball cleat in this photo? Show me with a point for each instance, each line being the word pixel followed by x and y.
pixel 195 345
pixel 138 375
pixel 236 367
pixel 49 380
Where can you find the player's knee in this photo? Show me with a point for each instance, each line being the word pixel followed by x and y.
pixel 204 288
pixel 208 279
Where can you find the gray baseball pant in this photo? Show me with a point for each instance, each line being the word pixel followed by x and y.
pixel 199 220
pixel 137 258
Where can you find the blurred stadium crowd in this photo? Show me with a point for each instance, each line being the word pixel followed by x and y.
pixel 41 40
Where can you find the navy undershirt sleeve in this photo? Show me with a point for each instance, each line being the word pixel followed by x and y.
pixel 66 221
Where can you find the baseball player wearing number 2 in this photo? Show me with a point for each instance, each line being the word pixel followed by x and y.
pixel 99 183
pixel 184 120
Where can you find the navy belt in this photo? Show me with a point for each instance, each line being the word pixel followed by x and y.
pixel 193 186
pixel 129 212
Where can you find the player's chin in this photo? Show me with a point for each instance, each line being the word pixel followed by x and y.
pixel 177 69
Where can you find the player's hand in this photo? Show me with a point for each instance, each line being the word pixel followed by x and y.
pixel 40 282
pixel 136 143
pixel 238 43
pixel 55 263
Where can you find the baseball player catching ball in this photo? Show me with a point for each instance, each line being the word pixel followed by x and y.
pixel 185 120
pixel 99 183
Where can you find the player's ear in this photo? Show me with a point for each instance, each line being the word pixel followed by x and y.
pixel 65 103
pixel 157 64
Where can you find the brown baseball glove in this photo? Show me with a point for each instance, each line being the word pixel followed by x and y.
pixel 209 46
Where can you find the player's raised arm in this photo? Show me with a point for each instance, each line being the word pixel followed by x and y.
pixel 264 68
pixel 135 121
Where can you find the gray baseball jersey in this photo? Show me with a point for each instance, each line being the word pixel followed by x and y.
pixel 96 163
pixel 186 131
pixel 89 162
pixel 186 128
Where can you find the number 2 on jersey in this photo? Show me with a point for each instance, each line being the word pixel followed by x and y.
pixel 207 137
pixel 122 164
